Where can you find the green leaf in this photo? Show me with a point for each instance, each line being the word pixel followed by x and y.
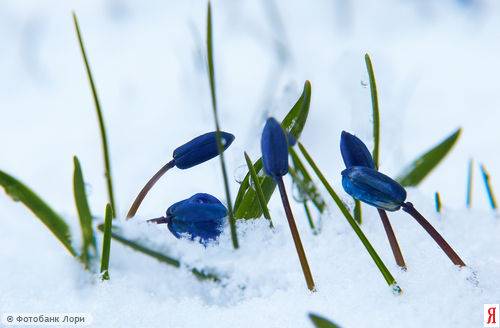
pixel 137 246
pixel 321 322
pixel 487 185
pixel 211 76
pixel 470 175
pixel 375 110
pixel 247 204
pixel 89 248
pixel 21 193
pixel 437 200
pixel 260 194
pixel 357 211
pixel 305 184
pixel 369 248
pixel 100 118
pixel 106 242
pixel 422 166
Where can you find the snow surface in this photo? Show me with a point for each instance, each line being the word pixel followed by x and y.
pixel 436 65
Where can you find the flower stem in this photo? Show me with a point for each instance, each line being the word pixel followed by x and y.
pixel 398 256
pixel 159 220
pixel 296 237
pixel 138 200
pixel 408 208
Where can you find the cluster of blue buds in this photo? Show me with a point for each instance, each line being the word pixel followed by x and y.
pixel 202 215
pixel 362 181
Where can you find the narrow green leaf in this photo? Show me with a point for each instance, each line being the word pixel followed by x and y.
pixel 376 113
pixel 376 258
pixel 470 174
pixel 304 182
pixel 296 118
pixel 106 242
pixel 487 185
pixel 423 165
pixel 89 248
pixel 309 218
pixel 102 128
pixel 258 189
pixel 21 193
pixel 137 246
pixel 322 322
pixel 437 200
pixel 357 211
pixel 246 204
pixel 211 75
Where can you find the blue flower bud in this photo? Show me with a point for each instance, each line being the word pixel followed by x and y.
pixel 200 216
pixel 354 151
pixel 274 147
pixel 200 149
pixel 373 187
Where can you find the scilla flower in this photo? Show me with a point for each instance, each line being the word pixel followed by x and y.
pixel 194 152
pixel 356 154
pixel 382 192
pixel 354 151
pixel 373 187
pixel 274 147
pixel 201 217
pixel 200 149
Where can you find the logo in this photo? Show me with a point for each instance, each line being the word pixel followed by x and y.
pixel 491 315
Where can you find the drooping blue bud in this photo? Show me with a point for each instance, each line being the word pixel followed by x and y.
pixel 354 151
pixel 274 147
pixel 200 149
pixel 373 187
pixel 200 216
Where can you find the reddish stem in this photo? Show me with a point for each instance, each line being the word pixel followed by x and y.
pixel 296 237
pixel 408 207
pixel 398 256
pixel 144 191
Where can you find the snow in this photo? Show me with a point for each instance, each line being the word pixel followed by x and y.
pixel 436 66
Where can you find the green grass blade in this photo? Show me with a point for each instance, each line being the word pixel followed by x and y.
pixel 423 165
pixel 470 175
pixel 247 205
pixel 376 113
pixel 157 255
pixel 102 128
pixel 487 185
pixel 357 211
pixel 376 258
pixel 305 183
pixel 258 189
pixel 211 75
pixel 21 193
pixel 437 201
pixel 106 242
pixel 321 322
pixel 89 248
pixel 309 218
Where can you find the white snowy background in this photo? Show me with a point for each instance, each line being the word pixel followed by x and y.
pixel 437 69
